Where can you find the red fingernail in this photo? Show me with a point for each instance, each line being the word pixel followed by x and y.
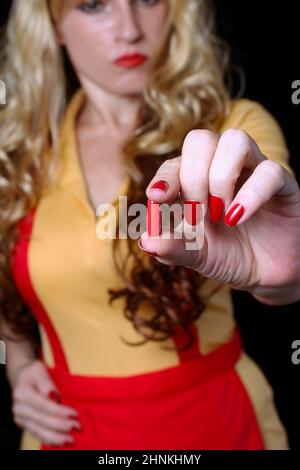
pixel 151 253
pixel 76 429
pixel 216 207
pixel 161 185
pixel 234 215
pixel 192 212
pixel 153 218
pixel 53 396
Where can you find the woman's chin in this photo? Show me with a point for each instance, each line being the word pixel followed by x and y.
pixel 132 83
pixel 130 89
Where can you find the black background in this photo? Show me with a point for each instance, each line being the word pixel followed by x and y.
pixel 264 40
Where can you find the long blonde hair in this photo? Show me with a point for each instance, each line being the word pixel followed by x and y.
pixel 186 90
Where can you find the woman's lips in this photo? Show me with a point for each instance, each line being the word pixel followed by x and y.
pixel 129 61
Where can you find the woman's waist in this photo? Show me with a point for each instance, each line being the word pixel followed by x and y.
pixel 185 375
pixel 112 347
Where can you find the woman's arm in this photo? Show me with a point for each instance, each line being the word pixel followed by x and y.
pixel 36 401
pixel 19 352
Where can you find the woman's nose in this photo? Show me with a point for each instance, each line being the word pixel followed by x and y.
pixel 128 28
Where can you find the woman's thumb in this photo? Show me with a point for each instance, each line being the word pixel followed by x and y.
pixel 44 382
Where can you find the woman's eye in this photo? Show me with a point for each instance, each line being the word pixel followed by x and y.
pixel 92 6
pixel 147 2
pixel 98 5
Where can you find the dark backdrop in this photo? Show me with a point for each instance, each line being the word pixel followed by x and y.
pixel 263 38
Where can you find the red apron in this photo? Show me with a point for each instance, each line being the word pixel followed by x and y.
pixel 199 404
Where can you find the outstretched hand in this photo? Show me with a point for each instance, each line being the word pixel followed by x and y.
pixel 251 215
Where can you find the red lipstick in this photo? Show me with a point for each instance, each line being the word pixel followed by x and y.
pixel 131 60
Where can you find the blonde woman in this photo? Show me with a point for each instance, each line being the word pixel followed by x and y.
pixel 138 350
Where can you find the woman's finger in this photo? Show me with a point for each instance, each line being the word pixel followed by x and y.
pixel 164 186
pixel 42 403
pixel 45 435
pixel 38 375
pixel 197 154
pixel 187 175
pixel 177 251
pixel 267 180
pixel 48 421
pixel 236 151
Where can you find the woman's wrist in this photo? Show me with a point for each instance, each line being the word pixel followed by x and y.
pixel 284 295
pixel 13 373
pixel 19 354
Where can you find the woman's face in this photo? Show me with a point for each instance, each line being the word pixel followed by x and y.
pixel 96 33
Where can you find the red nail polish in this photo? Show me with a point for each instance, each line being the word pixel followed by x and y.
pixel 76 429
pixel 192 212
pixel 151 253
pixel 161 185
pixel 216 207
pixel 234 215
pixel 53 396
pixel 153 218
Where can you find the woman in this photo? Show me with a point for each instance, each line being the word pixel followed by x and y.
pixel 157 363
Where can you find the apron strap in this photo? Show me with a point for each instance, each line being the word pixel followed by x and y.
pixel 180 338
pixel 19 264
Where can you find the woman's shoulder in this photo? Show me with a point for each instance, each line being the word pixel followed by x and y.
pixel 246 112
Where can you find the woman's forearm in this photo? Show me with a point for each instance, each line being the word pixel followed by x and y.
pixel 19 352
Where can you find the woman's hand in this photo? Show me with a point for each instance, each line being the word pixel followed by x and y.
pixel 35 409
pixel 256 247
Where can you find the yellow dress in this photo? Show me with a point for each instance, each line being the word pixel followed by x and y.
pixel 70 270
